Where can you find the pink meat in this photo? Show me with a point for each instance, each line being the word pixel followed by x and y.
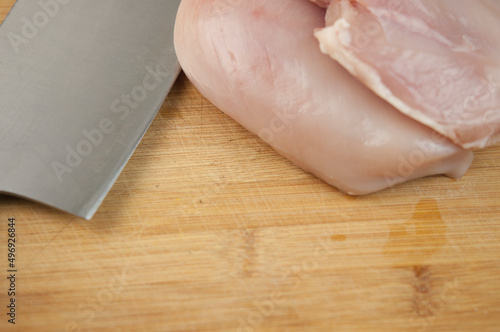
pixel 258 61
pixel 436 61
pixel 322 3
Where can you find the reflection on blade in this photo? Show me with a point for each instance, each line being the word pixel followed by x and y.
pixel 80 82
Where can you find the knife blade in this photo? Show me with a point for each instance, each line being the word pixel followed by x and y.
pixel 80 83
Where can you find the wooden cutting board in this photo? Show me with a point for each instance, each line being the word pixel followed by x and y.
pixel 209 229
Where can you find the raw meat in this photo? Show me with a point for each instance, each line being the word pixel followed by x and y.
pixel 436 61
pixel 322 3
pixel 258 61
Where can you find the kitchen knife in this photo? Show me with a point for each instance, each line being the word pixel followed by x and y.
pixel 80 83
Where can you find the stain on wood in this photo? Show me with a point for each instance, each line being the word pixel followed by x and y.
pixel 209 229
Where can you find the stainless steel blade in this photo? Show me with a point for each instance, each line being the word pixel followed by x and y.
pixel 80 82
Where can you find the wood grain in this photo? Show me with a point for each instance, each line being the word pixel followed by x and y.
pixel 208 229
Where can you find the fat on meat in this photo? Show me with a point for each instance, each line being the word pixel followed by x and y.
pixel 322 3
pixel 436 61
pixel 259 62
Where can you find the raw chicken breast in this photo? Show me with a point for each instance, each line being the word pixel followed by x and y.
pixel 436 61
pixel 258 61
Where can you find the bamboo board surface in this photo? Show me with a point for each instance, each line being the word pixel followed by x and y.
pixel 209 229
